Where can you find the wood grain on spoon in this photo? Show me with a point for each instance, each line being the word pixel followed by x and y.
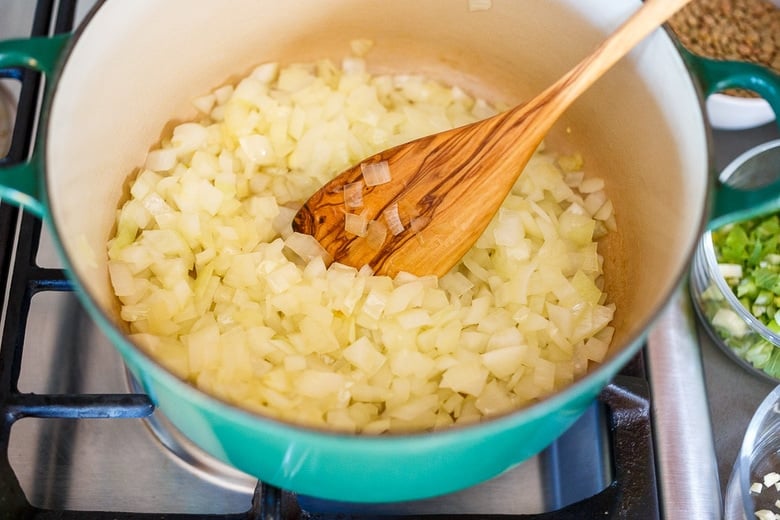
pixel 452 183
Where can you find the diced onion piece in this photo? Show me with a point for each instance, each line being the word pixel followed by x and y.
pixel 306 247
pixel 573 178
pixel 266 72
pixel 223 93
pixel 591 185
pixel 376 173
pixel 188 137
pixel 356 224
pixel 466 378
pixel 456 283
pixel 353 195
pixel 730 320
pixel 765 514
pixel 374 304
pixel 353 65
pixel 771 478
pixel 161 160
pixel 605 212
pixel 730 270
pixel 480 5
pixel 503 362
pixel 282 223
pixel 204 104
pixel 121 278
pixel 258 148
pixel 376 234
pixel 393 219
pixel 756 487
pixel 363 354
pixel 570 164
pixel 360 47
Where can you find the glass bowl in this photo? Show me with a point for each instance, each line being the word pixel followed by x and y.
pixel 732 327
pixel 753 490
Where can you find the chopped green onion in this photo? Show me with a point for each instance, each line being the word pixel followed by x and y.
pixel 748 255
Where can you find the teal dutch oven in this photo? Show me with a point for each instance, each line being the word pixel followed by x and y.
pixel 134 65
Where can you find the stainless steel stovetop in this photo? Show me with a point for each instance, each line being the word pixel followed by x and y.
pixel 73 461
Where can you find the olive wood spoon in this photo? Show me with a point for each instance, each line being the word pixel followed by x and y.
pixel 450 184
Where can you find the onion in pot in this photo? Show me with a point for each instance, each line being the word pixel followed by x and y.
pixel 353 195
pixel 214 283
pixel 376 173
pixel 393 219
pixel 356 224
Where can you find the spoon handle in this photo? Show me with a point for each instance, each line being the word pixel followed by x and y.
pixel 456 180
pixel 554 100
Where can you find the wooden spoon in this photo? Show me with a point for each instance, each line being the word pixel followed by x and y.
pixel 447 186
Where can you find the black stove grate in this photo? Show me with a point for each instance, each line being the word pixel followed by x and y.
pixel 632 493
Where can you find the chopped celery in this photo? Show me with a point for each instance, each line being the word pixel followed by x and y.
pixel 748 254
pixel 752 245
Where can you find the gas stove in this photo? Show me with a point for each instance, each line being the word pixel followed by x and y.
pixel 79 440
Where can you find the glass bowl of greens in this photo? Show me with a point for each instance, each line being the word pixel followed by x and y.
pixel 735 285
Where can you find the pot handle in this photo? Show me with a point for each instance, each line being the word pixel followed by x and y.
pixel 21 183
pixel 732 203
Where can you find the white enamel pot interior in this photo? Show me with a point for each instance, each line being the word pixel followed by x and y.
pixel 135 65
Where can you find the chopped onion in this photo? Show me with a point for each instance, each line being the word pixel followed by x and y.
pixel 204 104
pixel 376 173
pixel 480 5
pixel 771 478
pixel 258 148
pixel 161 160
pixel 605 212
pixel 574 178
pixel 223 94
pixel 188 136
pixel 266 72
pixel 356 224
pixel 213 281
pixel 360 47
pixel 353 65
pixel 307 247
pixel 393 219
pixel 730 270
pixel 282 223
pixel 353 195
pixel 376 234
pixel 591 185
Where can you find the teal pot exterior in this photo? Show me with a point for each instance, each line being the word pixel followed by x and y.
pixel 367 468
pixel 71 189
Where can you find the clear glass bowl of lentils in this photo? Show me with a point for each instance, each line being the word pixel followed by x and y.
pixel 735 30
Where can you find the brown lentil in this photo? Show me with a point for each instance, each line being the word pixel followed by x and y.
pixel 744 30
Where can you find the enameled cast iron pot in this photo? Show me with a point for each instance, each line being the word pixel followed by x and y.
pixel 136 64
